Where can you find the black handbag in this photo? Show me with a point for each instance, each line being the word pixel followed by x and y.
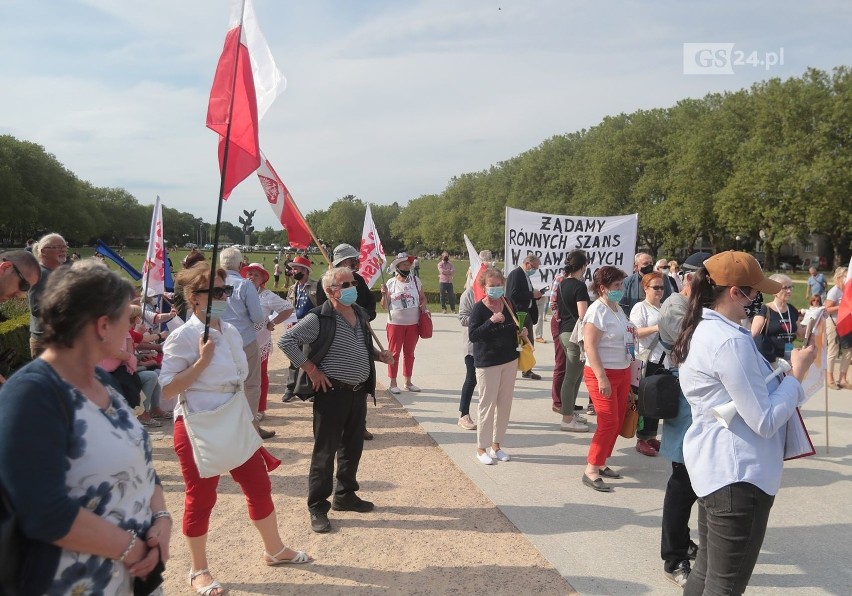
pixel 659 395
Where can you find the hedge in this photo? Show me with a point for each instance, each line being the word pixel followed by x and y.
pixel 15 334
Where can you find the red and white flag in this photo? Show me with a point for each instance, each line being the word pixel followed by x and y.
pixel 372 256
pixel 154 268
pixel 844 314
pixel 477 267
pixel 244 86
pixel 281 201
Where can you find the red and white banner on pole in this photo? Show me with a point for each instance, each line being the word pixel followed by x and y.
pixel 372 252
pixel 154 268
pixel 281 201
pixel 244 86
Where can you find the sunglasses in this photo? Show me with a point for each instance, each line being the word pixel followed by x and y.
pixel 58 247
pixel 23 284
pixel 344 284
pixel 218 293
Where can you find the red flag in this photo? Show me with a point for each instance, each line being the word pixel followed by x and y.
pixel 844 314
pixel 234 81
pixel 281 201
pixel 372 257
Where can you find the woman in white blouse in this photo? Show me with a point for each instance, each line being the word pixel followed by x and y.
pixel 275 310
pixel 208 374
pixel 609 341
pixel 735 468
pixel 645 315
pixel 403 296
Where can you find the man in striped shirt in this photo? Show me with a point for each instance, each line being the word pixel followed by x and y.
pixel 341 367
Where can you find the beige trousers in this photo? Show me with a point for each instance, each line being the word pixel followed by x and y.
pixel 252 384
pixel 496 385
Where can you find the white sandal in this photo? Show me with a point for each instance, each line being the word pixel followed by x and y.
pixel 300 558
pixel 209 588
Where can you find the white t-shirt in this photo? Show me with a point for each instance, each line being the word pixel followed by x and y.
pixel 404 301
pixel 647 315
pixel 612 348
pixel 835 294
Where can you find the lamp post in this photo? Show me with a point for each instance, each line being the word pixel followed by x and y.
pixel 738 238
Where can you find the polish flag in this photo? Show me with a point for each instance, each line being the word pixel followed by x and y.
pixel 281 201
pixel 844 314
pixel 154 268
pixel 244 86
pixel 372 257
pixel 477 267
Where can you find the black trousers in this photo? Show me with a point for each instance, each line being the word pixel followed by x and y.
pixel 677 506
pixel 339 423
pixel 468 386
pixel 731 527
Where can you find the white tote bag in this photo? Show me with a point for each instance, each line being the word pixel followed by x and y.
pixel 224 438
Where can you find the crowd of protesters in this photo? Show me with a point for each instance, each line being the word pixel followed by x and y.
pixel 210 342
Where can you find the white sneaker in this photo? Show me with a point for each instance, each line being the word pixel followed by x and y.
pixel 580 418
pixel 484 458
pixel 499 454
pixel 412 387
pixel 467 423
pixel 395 390
pixel 574 426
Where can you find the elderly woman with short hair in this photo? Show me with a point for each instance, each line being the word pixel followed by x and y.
pixel 75 465
pixel 50 251
pixel 779 321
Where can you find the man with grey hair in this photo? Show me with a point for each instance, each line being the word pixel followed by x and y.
pixel 19 271
pixel 244 312
pixel 338 365
pixel 51 251
pixel 643 263
pixel 520 291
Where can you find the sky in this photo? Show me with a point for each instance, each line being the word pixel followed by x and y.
pixel 385 100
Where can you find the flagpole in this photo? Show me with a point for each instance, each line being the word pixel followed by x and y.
pixel 151 232
pixel 225 152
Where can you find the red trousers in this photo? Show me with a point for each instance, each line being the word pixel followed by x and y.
pixel 201 492
pixel 264 383
pixel 402 338
pixel 558 364
pixel 610 412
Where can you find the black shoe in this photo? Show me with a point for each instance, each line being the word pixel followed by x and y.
pixel 578 408
pixel 368 436
pixel 692 550
pixel 531 375
pixel 265 434
pixel 288 397
pixel 679 574
pixel 356 504
pixel 320 523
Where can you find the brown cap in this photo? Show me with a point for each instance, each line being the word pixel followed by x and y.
pixel 734 268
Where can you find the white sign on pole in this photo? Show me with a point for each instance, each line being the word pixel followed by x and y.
pixel 606 241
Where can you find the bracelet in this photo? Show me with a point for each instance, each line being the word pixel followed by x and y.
pixel 160 514
pixel 130 546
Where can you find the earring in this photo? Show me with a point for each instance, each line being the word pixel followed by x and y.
pixel 103 339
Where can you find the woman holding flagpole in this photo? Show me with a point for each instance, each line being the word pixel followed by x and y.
pixel 208 374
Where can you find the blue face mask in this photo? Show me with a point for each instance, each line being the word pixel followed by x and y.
pixel 615 295
pixel 495 292
pixel 531 272
pixel 348 296
pixel 218 308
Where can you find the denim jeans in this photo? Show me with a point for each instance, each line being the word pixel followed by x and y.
pixel 677 506
pixel 468 386
pixel 731 527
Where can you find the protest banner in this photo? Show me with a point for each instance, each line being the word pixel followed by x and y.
pixel 606 240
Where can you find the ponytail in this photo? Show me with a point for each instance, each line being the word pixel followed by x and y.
pixel 704 295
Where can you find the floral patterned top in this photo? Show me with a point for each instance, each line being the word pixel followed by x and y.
pixel 108 470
